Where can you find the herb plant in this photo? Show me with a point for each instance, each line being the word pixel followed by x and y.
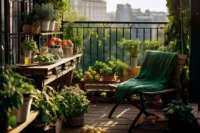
pixel 77 101
pixel 179 110
pixel 131 45
pixel 29 45
pixel 51 105
pixel 13 89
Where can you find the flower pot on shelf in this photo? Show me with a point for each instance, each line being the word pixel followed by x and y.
pixel 45 26
pixel 75 50
pixel 22 114
pixel 26 28
pixel 52 26
pixel 67 52
pixel 35 29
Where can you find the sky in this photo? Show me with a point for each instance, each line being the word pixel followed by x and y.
pixel 153 5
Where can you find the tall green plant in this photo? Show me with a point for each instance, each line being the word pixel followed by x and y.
pixel 178 32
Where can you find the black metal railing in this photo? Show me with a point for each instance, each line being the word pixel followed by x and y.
pixel 101 37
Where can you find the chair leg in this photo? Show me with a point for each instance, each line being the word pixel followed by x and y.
pixel 113 109
pixel 142 110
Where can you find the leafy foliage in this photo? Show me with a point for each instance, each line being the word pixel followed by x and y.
pixel 62 5
pixel 178 32
pixel 78 41
pixel 77 101
pixel 29 45
pixel 180 110
pixel 13 88
pixel 51 105
pixel 131 45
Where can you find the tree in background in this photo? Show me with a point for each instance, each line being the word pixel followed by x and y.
pixel 74 16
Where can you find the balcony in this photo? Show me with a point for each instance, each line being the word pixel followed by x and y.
pixel 101 37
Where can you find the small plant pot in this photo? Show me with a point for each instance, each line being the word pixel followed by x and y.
pixel 45 26
pixel 67 52
pixel 35 29
pixel 22 114
pixel 77 120
pixel 39 128
pixel 56 28
pixel 26 28
pixel 52 26
pixel 134 61
pixel 75 50
pixel 108 77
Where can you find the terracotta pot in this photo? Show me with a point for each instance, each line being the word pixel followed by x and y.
pixel 108 78
pixel 26 28
pixel 35 29
pixel 75 50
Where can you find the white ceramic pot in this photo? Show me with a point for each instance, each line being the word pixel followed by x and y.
pixel 45 26
pixel 22 114
pixel 134 61
pixel 52 26
pixel 67 52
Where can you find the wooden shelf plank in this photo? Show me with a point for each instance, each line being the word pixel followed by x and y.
pixel 20 127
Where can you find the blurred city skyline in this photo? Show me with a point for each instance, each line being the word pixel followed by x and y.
pixel 152 5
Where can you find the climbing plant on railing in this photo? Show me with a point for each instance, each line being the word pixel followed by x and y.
pixel 178 32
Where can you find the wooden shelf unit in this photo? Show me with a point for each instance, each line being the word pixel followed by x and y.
pixel 21 126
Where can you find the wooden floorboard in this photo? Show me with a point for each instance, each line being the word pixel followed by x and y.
pixel 97 116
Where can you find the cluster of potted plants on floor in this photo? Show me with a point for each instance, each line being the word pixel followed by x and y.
pixel 105 71
pixel 69 104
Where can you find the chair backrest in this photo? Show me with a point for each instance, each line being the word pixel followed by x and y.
pixel 180 64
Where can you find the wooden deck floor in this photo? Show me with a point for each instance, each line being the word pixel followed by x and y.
pixel 121 121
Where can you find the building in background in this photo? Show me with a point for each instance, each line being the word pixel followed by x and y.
pixel 124 12
pixel 95 10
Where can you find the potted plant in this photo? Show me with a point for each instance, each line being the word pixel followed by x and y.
pixel 78 44
pixel 55 17
pixel 121 68
pixel 109 71
pixel 77 105
pixel 52 107
pixel 35 24
pixel 61 5
pixel 15 95
pixel 29 45
pixel 132 47
pixel 180 117
pixel 153 45
pixel 27 22
pixel 44 11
